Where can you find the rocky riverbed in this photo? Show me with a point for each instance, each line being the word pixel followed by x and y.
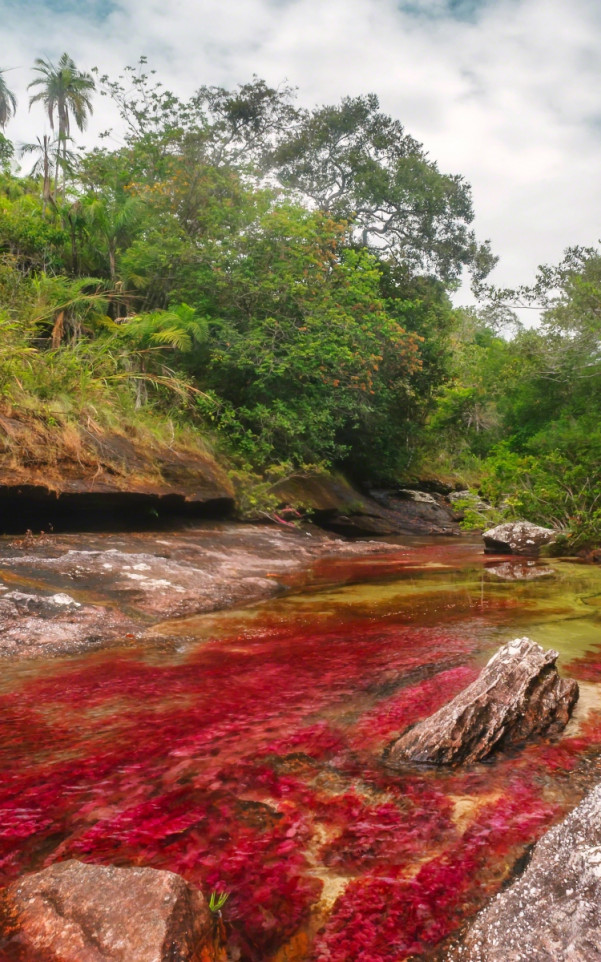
pixel 67 593
pixel 243 746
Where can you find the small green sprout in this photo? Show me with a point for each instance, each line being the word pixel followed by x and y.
pixel 217 900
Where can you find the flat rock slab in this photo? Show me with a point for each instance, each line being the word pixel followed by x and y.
pixel 519 694
pixel 45 623
pixel 553 912
pixel 150 581
pixel 75 912
pixel 517 537
pixel 67 593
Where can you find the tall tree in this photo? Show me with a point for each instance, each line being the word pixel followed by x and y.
pixel 245 124
pixel 65 92
pixel 357 163
pixel 8 102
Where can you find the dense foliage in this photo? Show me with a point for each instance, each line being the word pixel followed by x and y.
pixel 279 279
pixel 522 412
pixel 288 269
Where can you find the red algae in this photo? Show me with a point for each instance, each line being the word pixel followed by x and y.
pixel 381 918
pixel 392 715
pixel 586 669
pixel 256 766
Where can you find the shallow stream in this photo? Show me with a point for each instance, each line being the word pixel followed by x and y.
pixel 246 752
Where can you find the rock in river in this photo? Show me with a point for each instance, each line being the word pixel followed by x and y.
pixel 518 694
pixel 94 913
pixel 40 622
pixel 517 537
pixel 553 912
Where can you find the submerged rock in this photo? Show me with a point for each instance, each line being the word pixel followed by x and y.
pixel 77 912
pixel 553 912
pixel 518 694
pixel 517 537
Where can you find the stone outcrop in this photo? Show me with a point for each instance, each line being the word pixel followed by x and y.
pixel 418 497
pixel 552 913
pixel 519 694
pixel 337 506
pixel 517 537
pixel 418 511
pixel 50 477
pixel 334 504
pixel 75 912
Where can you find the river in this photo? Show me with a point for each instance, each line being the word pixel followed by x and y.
pixel 245 749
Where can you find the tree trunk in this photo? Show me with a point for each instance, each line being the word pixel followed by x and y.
pixel 58 330
pixel 112 262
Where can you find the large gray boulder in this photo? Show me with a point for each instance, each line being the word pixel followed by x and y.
pixel 75 912
pixel 517 537
pixel 553 912
pixel 519 694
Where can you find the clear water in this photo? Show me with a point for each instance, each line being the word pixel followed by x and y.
pixel 247 754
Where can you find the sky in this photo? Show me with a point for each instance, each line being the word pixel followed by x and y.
pixel 503 92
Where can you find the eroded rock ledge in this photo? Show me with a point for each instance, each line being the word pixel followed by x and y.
pixel 49 476
pixel 519 694
pixel 553 912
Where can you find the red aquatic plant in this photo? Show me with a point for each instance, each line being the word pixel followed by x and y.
pixel 587 668
pixel 254 765
pixel 393 715
pixel 387 918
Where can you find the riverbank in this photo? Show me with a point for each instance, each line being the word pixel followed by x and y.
pixel 66 593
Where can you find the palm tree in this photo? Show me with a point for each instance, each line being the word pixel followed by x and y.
pixel 44 165
pixel 65 92
pixel 8 102
pixel 112 222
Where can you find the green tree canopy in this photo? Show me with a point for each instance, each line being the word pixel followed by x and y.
pixel 356 162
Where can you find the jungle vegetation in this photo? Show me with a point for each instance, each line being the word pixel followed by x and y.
pixel 278 280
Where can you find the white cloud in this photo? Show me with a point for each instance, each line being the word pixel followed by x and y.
pixel 508 96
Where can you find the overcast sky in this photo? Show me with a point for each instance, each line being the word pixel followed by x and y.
pixel 504 92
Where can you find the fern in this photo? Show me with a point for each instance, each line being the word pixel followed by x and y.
pixel 178 329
